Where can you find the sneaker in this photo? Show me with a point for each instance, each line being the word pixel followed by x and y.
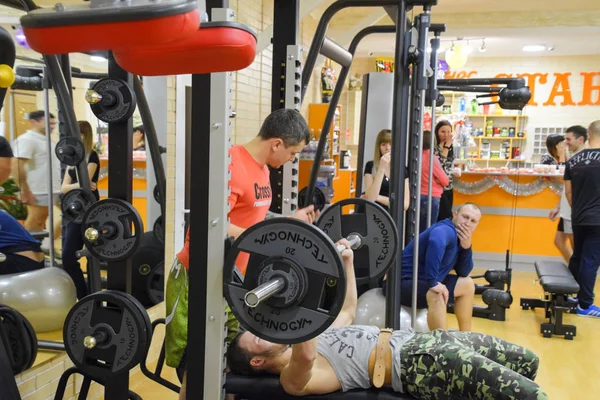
pixel 593 311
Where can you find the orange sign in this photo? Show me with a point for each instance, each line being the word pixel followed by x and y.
pixel 560 94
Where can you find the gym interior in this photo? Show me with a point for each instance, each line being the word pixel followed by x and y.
pixel 507 76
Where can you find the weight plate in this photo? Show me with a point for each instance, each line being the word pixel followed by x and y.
pixel 319 199
pixel 142 315
pixel 20 339
pixel 119 228
pixel 286 239
pixel 156 283
pixel 75 204
pixel 128 331
pixel 294 276
pixel 70 151
pixel 377 230
pixel 158 229
pixel 118 100
pixel 156 193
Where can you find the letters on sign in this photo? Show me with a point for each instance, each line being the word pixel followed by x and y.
pixel 560 83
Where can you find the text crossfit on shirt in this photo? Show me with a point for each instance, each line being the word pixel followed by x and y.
pixel 262 195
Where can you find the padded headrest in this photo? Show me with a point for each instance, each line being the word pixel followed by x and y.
pixel 268 387
pixel 215 47
pixel 81 28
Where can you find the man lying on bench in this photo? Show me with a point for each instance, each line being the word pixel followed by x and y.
pixel 433 365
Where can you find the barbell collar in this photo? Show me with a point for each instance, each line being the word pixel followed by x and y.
pixel 92 234
pixel 93 97
pixel 98 337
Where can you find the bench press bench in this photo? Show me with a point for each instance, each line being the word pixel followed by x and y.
pixel 268 387
pixel 558 283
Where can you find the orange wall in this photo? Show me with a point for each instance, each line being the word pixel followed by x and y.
pixel 521 235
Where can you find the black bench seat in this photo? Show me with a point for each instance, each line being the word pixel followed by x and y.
pixel 268 387
pixel 558 282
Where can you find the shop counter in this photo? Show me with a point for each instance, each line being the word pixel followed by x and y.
pixel 515 206
pixel 139 199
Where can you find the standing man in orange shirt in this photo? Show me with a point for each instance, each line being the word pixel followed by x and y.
pixel 284 133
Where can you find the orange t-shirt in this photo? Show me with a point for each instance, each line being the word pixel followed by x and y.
pixel 249 200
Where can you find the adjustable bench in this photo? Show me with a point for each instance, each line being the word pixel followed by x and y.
pixel 260 388
pixel 558 283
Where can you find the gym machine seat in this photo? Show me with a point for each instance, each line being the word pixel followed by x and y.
pixel 215 47
pixel 558 283
pixel 70 28
pixel 268 387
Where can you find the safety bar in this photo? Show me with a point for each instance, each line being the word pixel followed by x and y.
pixel 512 83
pixel 319 37
pixel 335 98
pixel 335 52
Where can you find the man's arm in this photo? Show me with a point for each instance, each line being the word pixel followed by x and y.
pixel 464 264
pixel 569 192
pixel 348 312
pixel 434 252
pixel 297 374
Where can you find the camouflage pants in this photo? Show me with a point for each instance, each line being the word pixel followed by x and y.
pixel 464 365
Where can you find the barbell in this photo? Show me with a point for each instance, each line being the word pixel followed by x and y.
pixel 295 282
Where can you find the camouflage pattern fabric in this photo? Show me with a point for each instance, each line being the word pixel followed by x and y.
pixel 465 365
pixel 176 304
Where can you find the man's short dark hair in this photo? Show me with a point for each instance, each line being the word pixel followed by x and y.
pixel 578 131
pixel 463 205
pixel 38 115
pixel 238 359
pixel 285 124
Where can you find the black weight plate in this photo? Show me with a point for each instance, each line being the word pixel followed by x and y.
pixel 126 222
pixel 70 151
pixel 156 193
pixel 75 203
pixel 156 283
pixel 128 340
pixel 16 339
pixel 158 229
pixel 142 316
pixel 33 343
pixel 319 199
pixel 122 104
pixel 312 251
pixel 376 228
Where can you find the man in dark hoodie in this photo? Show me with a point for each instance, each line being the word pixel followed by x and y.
pixel 444 247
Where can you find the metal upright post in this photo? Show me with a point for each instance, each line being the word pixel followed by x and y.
pixel 419 87
pixel 65 66
pixel 400 117
pixel 50 155
pixel 210 144
pixel 285 76
pixel 432 95
pixel 120 175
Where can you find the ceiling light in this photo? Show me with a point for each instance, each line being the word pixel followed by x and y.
pixel 98 59
pixel 534 47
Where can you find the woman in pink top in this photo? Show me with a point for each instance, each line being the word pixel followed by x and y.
pixel 440 179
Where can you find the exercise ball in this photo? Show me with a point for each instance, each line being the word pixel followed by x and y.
pixel 43 296
pixel 370 309
pixel 406 319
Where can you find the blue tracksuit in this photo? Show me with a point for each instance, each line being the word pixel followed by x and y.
pixel 439 253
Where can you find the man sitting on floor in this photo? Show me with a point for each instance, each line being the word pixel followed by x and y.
pixel 444 247
pixel 433 365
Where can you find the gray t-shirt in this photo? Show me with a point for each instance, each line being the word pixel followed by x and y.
pixel 348 348
pixel 33 147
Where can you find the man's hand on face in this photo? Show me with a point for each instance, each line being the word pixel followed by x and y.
pixel 306 214
pixel 464 236
pixel 440 288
